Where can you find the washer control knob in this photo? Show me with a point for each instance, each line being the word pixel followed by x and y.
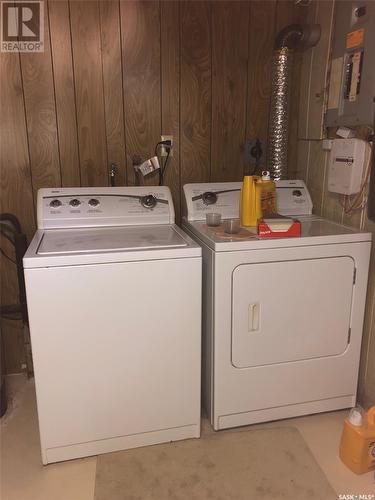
pixel 93 202
pixel 55 203
pixel 148 201
pixel 74 203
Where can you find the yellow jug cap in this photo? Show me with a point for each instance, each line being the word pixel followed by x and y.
pixel 266 176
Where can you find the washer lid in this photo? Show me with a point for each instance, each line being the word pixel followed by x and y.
pixel 107 239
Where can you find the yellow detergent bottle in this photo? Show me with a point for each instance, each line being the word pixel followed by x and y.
pixel 357 447
pixel 250 201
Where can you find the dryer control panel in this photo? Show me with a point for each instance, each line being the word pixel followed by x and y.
pixel 293 198
pixel 106 206
pixel 206 197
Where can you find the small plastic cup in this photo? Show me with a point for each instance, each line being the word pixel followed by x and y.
pixel 213 219
pixel 232 226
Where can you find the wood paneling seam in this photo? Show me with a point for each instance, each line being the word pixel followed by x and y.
pixel 274 32
pixel 327 70
pixel 309 85
pixel 161 76
pixel 54 92
pixel 247 75
pixel 123 97
pixel 75 96
pixel 179 107
pixel 211 117
pixel 308 160
pixel 104 101
pixel 324 181
pixel 27 135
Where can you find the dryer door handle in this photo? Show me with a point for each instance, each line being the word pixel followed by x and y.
pixel 254 317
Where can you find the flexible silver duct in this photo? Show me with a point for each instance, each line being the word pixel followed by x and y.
pixel 282 64
pixel 279 114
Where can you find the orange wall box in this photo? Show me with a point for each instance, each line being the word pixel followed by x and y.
pixel 357 447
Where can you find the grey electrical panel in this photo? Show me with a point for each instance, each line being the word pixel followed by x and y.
pixel 352 75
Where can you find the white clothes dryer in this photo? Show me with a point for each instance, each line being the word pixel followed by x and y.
pixel 282 318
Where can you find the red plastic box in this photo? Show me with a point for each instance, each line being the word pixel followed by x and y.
pixel 264 231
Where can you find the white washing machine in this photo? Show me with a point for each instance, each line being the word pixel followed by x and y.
pixel 282 318
pixel 114 300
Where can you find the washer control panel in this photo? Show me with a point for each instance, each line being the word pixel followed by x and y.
pixel 109 206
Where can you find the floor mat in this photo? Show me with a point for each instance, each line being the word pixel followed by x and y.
pixel 250 465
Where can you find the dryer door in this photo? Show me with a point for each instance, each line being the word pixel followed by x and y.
pixel 291 310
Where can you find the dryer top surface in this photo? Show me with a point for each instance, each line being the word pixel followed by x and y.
pixel 315 231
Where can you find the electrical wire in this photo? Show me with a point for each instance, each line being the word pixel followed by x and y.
pixel 157 148
pixel 163 168
pixel 168 147
pixel 4 254
pixel 360 196
pixel 5 235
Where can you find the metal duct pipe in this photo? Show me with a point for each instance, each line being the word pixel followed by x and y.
pixel 290 37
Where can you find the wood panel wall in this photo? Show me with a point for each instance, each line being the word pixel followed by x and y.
pixel 114 76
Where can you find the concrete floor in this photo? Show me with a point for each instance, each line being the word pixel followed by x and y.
pixel 24 478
